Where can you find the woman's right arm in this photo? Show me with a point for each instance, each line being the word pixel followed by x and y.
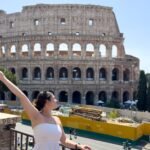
pixel 27 105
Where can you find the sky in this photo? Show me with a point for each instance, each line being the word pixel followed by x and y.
pixel 133 17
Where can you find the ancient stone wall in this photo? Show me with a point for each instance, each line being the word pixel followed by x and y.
pixel 75 51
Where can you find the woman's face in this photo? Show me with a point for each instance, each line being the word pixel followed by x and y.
pixel 53 102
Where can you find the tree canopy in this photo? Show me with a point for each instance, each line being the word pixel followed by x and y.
pixel 10 76
pixel 142 89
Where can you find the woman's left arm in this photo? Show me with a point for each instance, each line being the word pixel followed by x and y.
pixel 69 143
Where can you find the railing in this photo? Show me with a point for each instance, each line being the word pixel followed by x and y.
pixel 23 141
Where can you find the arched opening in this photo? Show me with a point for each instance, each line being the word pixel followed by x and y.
pixel 102 96
pixel 90 50
pixel 24 73
pixel 50 49
pixel 90 74
pixel 50 73
pixel 126 75
pixel 63 73
pixel 35 94
pixel 76 97
pixel 76 73
pixel 125 96
pixel 102 50
pixel 63 96
pixel 24 50
pixel 115 74
pixel 37 49
pixel 102 74
pixel 76 49
pixel 13 51
pixel 115 96
pixel 90 98
pixel 114 51
pixel 37 73
pixel 63 49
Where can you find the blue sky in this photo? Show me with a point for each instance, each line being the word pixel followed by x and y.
pixel 133 18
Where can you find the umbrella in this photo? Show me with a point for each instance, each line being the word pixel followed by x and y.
pixel 100 102
pixel 131 102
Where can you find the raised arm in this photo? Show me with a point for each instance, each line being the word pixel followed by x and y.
pixel 27 105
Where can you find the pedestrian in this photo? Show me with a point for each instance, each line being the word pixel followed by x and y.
pixel 47 129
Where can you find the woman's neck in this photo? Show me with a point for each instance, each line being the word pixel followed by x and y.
pixel 46 113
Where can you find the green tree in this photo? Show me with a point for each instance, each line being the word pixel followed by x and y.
pixel 148 98
pixel 10 76
pixel 141 94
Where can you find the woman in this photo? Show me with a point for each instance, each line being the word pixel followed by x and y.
pixel 48 131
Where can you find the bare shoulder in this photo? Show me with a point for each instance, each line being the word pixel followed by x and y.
pixel 58 121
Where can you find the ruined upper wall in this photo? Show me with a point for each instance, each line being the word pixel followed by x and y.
pixel 60 19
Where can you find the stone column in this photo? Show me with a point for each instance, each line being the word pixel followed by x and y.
pixel 7 121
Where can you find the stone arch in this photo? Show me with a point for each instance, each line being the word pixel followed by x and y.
pixel 115 74
pixel 89 98
pixel 115 95
pixel 76 97
pixel 102 50
pixel 90 50
pixel 63 96
pixel 102 96
pixel 24 73
pixel 90 74
pixel 49 49
pixel 63 73
pixel 76 73
pixel 126 75
pixel 126 96
pixel 114 51
pixel 49 73
pixel 37 73
pixel 76 49
pixel 13 50
pixel 102 74
pixel 24 50
pixel 63 47
pixel 37 49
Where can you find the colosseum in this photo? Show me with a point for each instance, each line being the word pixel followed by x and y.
pixel 75 51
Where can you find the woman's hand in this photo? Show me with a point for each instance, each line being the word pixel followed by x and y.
pixel 2 76
pixel 84 147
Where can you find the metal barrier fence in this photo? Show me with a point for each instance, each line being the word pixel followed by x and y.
pixel 23 141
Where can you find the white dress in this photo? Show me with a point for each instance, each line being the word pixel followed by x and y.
pixel 47 136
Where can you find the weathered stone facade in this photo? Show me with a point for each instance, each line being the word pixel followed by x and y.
pixel 75 51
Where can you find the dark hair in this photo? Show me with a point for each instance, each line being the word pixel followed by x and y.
pixel 42 97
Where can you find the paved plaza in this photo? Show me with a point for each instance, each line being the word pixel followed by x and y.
pixel 95 144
